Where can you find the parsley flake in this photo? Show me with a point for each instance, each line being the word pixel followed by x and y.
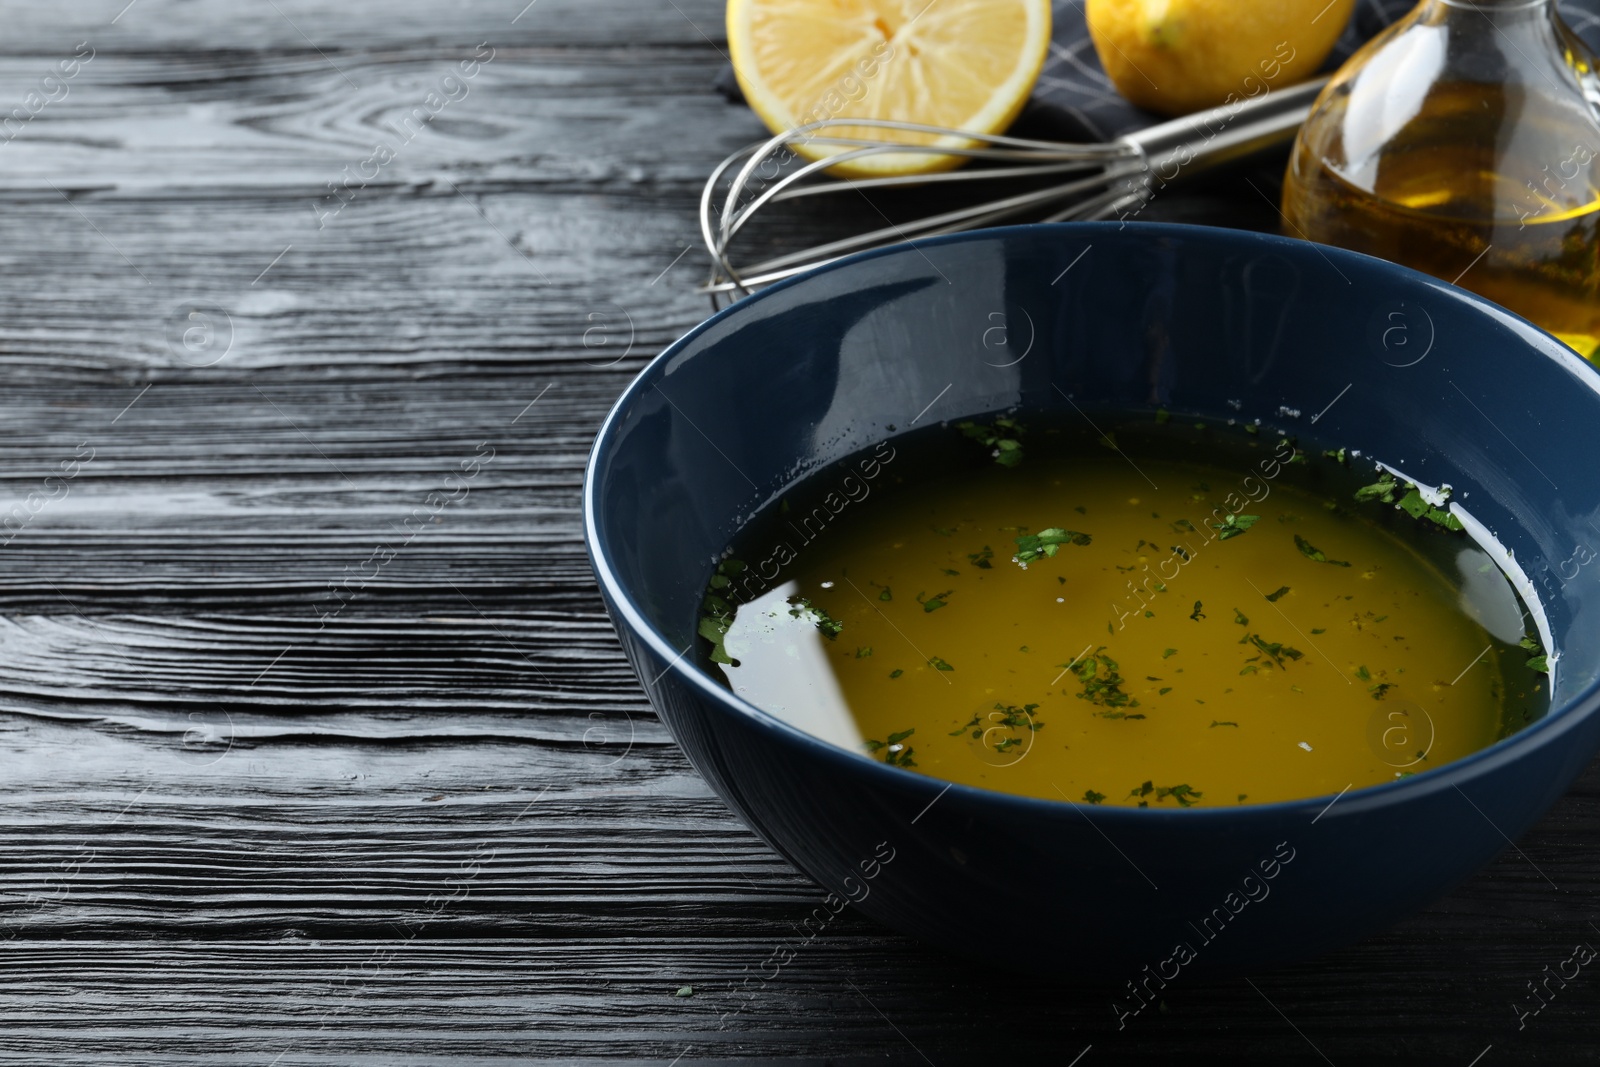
pixel 1003 437
pixel 895 752
pixel 716 617
pixel 801 608
pixel 1183 793
pixel 1102 685
pixel 1276 650
pixel 1031 547
pixel 1233 525
pixel 1315 554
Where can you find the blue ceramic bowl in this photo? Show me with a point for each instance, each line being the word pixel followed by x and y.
pixel 1334 347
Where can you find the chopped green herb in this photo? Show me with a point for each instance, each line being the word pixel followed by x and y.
pixel 1183 526
pixel 1383 489
pixel 1163 416
pixel 1197 614
pixel 934 602
pixel 1278 594
pixel 1003 436
pixel 1091 797
pixel 1540 664
pixel 1417 507
pixel 1164 691
pixel 1319 631
pixel 1238 617
pixel 939 665
pixel 1031 547
pixel 895 754
pixel 1413 503
pixel 1380 689
pixel 1312 552
pixel 1169 653
pixel 1215 723
pixel 863 652
pixel 801 608
pixel 715 630
pixel 1184 794
pixel 1276 650
pixel 1341 456
pixel 886 595
pixel 1102 685
pixel 981 558
pixel 897 672
pixel 951 573
pixel 717 614
pixel 1233 525
pixel 1530 643
pixel 1364 674
pixel 1013 716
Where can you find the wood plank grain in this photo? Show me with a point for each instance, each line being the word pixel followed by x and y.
pixel 332 33
pixel 444 826
pixel 286 126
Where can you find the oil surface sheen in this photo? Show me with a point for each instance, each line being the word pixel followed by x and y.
pixel 1184 633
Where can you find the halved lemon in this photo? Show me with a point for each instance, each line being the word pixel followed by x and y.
pixel 963 64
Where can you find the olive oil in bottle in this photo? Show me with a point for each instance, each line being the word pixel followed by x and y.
pixel 1463 142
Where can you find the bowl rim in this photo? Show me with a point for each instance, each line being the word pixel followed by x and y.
pixel 1557 722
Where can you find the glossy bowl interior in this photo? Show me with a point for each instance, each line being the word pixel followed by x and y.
pixel 1331 346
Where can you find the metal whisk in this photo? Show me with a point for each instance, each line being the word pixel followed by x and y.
pixel 1103 179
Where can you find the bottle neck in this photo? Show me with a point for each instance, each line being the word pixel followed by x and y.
pixel 1496 11
pixel 1495 6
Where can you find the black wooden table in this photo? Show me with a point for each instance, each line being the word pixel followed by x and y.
pixel 318 747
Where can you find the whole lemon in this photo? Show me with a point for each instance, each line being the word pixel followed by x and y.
pixel 1178 56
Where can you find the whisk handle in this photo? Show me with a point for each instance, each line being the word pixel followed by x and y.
pixel 1220 134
